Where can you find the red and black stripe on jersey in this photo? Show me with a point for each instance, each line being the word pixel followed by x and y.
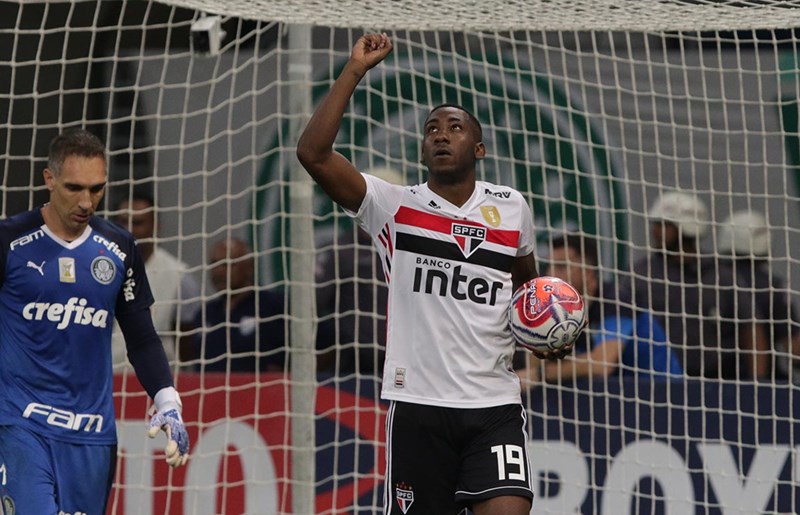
pixel 450 249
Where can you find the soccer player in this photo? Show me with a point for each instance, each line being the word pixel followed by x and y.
pixel 65 274
pixel 453 250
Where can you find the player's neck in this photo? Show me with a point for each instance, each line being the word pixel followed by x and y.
pixel 57 227
pixel 457 193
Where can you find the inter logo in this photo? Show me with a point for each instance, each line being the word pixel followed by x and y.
pixel 468 237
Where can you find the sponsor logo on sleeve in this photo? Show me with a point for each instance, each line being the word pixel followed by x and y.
pixel 111 246
pixel 28 238
pixel 128 286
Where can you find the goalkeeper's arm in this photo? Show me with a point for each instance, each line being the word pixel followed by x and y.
pixel 149 361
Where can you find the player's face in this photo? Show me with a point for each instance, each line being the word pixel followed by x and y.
pixel 450 145
pixel 76 192
pixel 138 218
pixel 565 263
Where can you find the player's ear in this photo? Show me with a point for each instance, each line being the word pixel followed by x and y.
pixel 480 150
pixel 49 179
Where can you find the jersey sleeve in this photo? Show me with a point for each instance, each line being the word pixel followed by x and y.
pixel 135 293
pixel 380 203
pixel 527 234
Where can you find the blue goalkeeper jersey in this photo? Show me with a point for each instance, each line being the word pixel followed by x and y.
pixel 58 300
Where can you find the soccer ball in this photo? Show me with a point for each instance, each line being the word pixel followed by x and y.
pixel 545 314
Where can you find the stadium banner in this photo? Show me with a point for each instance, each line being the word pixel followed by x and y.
pixel 240 456
pixel 632 447
pixel 665 447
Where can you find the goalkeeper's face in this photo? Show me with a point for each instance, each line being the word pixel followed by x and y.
pixel 451 145
pixel 75 191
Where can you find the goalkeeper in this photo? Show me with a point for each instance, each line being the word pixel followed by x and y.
pixel 453 249
pixel 65 274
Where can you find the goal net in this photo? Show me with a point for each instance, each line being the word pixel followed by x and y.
pixel 596 110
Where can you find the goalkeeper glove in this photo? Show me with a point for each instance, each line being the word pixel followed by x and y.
pixel 168 417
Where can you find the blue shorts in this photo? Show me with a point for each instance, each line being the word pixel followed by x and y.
pixel 38 475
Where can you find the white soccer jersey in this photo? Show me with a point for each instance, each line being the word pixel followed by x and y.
pixel 449 275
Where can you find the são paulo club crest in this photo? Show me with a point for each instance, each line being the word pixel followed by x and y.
pixel 405 496
pixel 468 237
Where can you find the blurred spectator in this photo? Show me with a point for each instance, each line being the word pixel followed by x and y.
pixel 243 328
pixel 617 340
pixel 708 320
pixel 176 291
pixel 352 301
pixel 743 241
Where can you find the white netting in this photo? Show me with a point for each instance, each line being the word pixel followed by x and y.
pixel 551 15
pixel 592 109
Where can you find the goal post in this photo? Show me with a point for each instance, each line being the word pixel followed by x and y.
pixel 592 109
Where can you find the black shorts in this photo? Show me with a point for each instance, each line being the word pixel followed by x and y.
pixel 441 460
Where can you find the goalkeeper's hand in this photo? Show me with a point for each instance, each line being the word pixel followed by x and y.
pixel 168 417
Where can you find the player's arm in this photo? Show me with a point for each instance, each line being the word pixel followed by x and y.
pixel 146 355
pixel 145 351
pixel 335 174
pixel 523 269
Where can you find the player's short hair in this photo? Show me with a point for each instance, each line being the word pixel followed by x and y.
pixel 475 123
pixel 584 245
pixel 73 142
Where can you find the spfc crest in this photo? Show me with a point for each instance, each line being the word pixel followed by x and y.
pixel 468 237
pixel 405 497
